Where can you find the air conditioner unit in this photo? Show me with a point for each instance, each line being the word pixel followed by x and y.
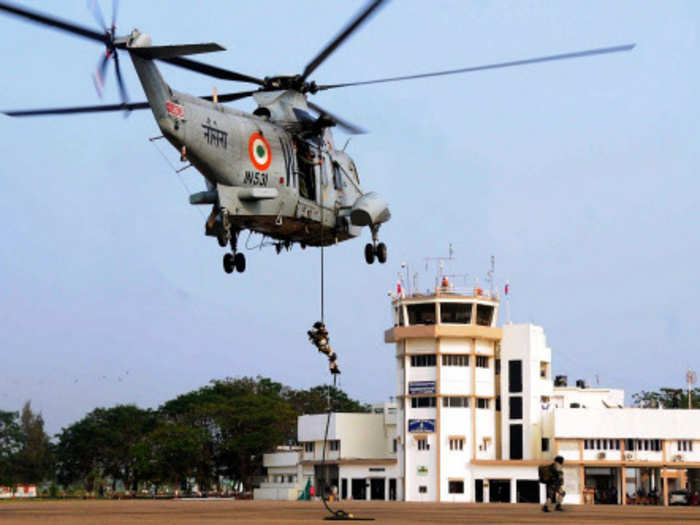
pixel 629 456
pixel 601 455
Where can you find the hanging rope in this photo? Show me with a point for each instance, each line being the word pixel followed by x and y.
pixel 335 515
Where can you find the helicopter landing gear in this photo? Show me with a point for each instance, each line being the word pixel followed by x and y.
pixel 375 249
pixel 235 260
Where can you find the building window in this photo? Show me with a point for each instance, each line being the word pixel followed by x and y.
pixel 457 444
pixel 629 445
pixel 423 444
pixel 516 407
pixel 497 367
pixel 498 404
pixel 422 402
pixel 455 402
pixel 423 360
pixel 458 313
pixel 545 444
pixel 685 445
pixel 484 314
pixel 482 402
pixel 422 489
pixel 334 445
pixel 544 369
pixel 455 360
pixel 309 446
pixel 455 487
pixel 515 376
pixel 395 445
pixel 419 314
pixel 482 361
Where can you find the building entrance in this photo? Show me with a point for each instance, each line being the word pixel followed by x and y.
pixel 359 489
pixel 527 491
pixel 376 488
pixel 392 489
pixel 603 482
pixel 499 490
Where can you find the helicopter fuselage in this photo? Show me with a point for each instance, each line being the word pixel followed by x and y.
pixel 274 172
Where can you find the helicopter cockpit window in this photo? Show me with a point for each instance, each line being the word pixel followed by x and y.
pixel 337 177
pixel 306 162
pixel 353 170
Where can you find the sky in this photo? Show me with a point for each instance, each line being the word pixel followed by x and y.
pixel 578 176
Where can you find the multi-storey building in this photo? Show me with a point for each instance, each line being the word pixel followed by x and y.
pixel 477 411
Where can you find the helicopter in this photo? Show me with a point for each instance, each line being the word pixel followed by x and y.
pixel 275 171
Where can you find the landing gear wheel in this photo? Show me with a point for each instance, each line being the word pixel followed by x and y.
pixel 381 252
pixel 278 248
pixel 369 253
pixel 221 237
pixel 228 262
pixel 239 262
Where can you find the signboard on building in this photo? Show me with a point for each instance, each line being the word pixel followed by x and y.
pixel 421 425
pixel 421 387
pixel 422 470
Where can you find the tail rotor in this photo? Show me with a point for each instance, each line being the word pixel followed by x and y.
pixel 110 51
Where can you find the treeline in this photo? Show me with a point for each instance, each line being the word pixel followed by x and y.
pixel 667 398
pixel 219 431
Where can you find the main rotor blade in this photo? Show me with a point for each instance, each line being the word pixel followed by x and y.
pixel 94 6
pixel 54 22
pixel 226 97
pixel 563 56
pixel 212 71
pixel 359 19
pixel 347 126
pixel 120 81
pixel 77 109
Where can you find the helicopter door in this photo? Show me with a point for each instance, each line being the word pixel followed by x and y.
pixel 307 162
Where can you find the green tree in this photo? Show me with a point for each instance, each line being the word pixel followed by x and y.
pixel 33 461
pixel 10 444
pixel 105 443
pixel 667 398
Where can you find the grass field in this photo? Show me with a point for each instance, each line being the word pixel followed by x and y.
pixel 214 512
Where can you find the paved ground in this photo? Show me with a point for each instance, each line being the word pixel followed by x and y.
pixel 215 512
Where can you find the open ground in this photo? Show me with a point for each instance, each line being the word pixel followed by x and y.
pixel 213 512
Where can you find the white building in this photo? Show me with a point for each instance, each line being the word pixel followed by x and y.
pixel 478 411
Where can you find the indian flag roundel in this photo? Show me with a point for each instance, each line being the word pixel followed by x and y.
pixel 259 151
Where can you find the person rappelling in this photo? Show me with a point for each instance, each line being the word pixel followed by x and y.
pixel 318 335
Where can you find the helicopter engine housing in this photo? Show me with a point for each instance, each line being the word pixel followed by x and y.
pixel 370 209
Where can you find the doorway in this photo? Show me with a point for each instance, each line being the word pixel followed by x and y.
pixel 359 489
pixel 499 490
pixel 376 488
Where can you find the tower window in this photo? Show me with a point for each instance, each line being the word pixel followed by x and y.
pixel 482 402
pixel 422 402
pixel 484 314
pixel 423 444
pixel 421 314
pixel 457 444
pixel 482 361
pixel 457 313
pixel 455 360
pixel 423 360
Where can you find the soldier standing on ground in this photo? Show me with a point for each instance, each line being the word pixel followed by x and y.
pixel 553 477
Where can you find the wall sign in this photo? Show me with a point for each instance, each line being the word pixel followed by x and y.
pixel 421 425
pixel 421 387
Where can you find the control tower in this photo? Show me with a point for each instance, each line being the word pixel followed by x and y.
pixel 448 363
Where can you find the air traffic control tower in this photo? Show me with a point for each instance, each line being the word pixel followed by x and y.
pixel 448 361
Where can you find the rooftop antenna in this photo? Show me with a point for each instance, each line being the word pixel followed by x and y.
pixel 441 263
pixel 407 282
pixel 490 274
pixel 691 377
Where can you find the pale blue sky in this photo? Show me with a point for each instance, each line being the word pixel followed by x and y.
pixel 579 176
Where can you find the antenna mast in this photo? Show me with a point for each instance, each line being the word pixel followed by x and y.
pixel 441 264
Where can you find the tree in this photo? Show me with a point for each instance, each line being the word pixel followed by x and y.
pixel 33 461
pixel 104 444
pixel 666 398
pixel 10 444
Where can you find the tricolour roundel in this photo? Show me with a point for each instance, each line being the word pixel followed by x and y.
pixel 259 151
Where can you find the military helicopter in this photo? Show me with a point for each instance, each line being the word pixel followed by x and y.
pixel 276 171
